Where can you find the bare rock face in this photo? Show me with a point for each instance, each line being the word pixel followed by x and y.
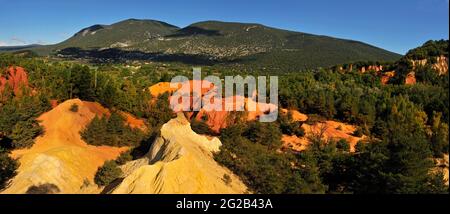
pixel 16 79
pixel 326 130
pixel 410 78
pixel 179 161
pixel 376 68
pixel 217 119
pixel 440 65
pixel 60 161
pixel 386 76
pixel 442 167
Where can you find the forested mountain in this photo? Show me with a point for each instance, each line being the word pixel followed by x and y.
pixel 213 42
pixel 17 48
pixel 131 32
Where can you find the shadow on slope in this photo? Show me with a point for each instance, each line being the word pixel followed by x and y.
pixel 192 30
pixel 114 55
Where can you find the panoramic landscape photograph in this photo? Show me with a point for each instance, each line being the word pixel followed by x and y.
pixel 224 97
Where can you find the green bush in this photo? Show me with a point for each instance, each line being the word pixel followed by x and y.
pixel 267 134
pixel 200 127
pixel 24 133
pixel 343 145
pixel 18 123
pixel 43 189
pixel 111 131
pixel 314 118
pixel 264 170
pixel 358 132
pixel 439 136
pixel 8 167
pixel 124 157
pixel 107 173
pixel 74 108
pixel 227 179
pixel 290 127
pixel 159 111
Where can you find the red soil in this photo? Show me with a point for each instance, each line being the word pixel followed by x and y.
pixel 16 78
pixel 410 79
pixel 215 119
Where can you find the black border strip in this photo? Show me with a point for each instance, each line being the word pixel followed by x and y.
pixel 304 203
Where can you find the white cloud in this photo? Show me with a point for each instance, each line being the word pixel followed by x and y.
pixel 9 43
pixel 18 41
pixel 13 41
pixel 40 42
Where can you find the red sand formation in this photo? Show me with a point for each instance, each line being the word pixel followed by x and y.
pixel 328 130
pixel 163 87
pixel 220 119
pixel 386 77
pixel 15 78
pixel 376 68
pixel 216 119
pixel 410 79
pixel 54 103
pixel 296 115
pixel 130 120
pixel 133 122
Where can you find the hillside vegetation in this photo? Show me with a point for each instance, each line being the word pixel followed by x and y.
pixel 253 46
pixel 405 127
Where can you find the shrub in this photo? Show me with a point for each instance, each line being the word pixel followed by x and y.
pixel 227 179
pixel 299 132
pixel 124 157
pixel 290 127
pixel 24 132
pixel 262 169
pixel 358 132
pixel 267 134
pixel 74 108
pixel 107 173
pixel 200 127
pixel 18 123
pixel 159 111
pixel 94 133
pixel 343 145
pixel 8 167
pixel 314 118
pixel 43 189
pixel 111 131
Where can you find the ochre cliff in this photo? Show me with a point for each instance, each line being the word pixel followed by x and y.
pixel 179 161
pixel 60 157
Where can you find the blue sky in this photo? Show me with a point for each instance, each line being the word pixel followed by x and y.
pixel 396 25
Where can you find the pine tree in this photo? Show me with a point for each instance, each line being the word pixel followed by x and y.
pixel 107 173
pixel 80 82
pixel 8 167
pixel 95 133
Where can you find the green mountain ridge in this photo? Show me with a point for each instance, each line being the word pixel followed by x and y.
pixel 121 34
pixel 216 41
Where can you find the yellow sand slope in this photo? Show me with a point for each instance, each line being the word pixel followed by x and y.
pixel 60 157
pixel 179 161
